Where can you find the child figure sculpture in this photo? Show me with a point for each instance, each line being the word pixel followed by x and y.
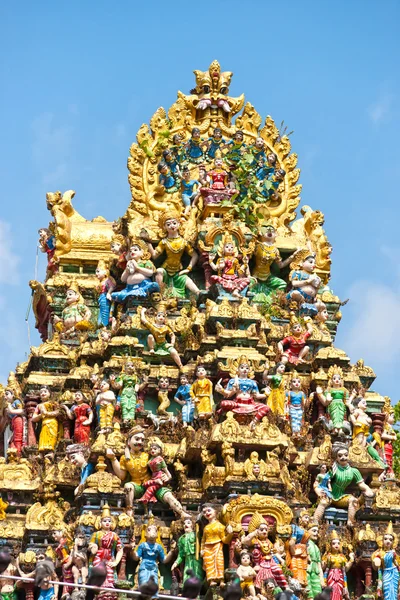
pixel 232 277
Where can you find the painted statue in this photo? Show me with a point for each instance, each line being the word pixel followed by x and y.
pixel 201 392
pixel 159 330
pixel 276 385
pixel 263 553
pixel 335 565
pixel 218 178
pixel 297 557
pixel 342 475
pixel 171 161
pixel 389 436
pixel 167 179
pixel 137 274
pixel 47 413
pixel 214 143
pixel 16 413
pixel 267 256
pixel 128 385
pixel 189 190
pixel 362 424
pixel 78 455
pixel 75 316
pixel 171 273
pixel 215 535
pixel 187 552
pixel 242 395
pixel 258 151
pixel 315 574
pixel 105 403
pixel 106 286
pixel 133 465
pixel 82 415
pixel 293 348
pixel 322 484
pixel 47 245
pixel 305 283
pixel 337 400
pixel 106 546
pixel 386 561
pixel 296 400
pixel 159 473
pixel 233 277
pixel 235 148
pixel 150 552
pixel 247 574
pixel 184 399
pixel 194 151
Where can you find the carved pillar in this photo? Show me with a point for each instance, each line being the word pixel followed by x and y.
pixel 378 421
pixel 31 402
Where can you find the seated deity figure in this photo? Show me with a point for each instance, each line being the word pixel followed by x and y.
pixel 241 395
pixel 138 274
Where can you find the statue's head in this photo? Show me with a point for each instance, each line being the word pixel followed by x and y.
pixel 217 133
pixel 79 397
pixel 238 136
pixel 259 143
pixel 280 174
pixel 136 438
pixel 78 454
pixel 201 371
pixel 309 263
pixel 313 531
pixel 187 525
pixel 163 383
pixel 268 233
pixel 208 511
pixel 104 386
pixel 44 393
pixel 272 158
pixel 196 133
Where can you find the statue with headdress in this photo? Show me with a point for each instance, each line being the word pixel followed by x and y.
pixel 160 332
pixel 241 394
pixel 75 316
pixel 106 546
pixel 293 348
pixel 106 286
pixel 128 385
pixel 174 245
pixel 231 276
pixel 337 400
pixel 305 283
pixel 257 538
pixel 335 565
pixel 138 273
pixel 267 255
pixel 297 558
pixel 386 561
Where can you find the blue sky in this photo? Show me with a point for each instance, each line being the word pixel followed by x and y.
pixel 79 78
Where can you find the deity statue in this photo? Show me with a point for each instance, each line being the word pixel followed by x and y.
pixel 214 143
pixel 167 179
pixel 79 557
pixel 134 463
pixel 262 553
pixel 184 399
pixel 258 151
pixel 386 561
pixel 235 148
pixel 162 396
pixel 159 473
pixel 63 552
pixel 75 316
pixel 47 245
pixel 217 178
pixel 189 193
pixel 276 383
pixel 106 546
pixel 336 399
pixel 296 400
pixel 105 407
pixel 194 151
pixel 82 415
pixel 128 385
pixel 201 392
pixel 305 283
pixel 215 535
pixel 47 412
pixel 118 248
pixel 389 436
pixel 335 564
pixel 315 574
pixel 232 277
pixel 106 286
pixel 265 169
pixel 297 558
pixel 322 484
pixel 137 274
pixel 150 552
pixel 267 189
pixel 178 148
pixel 78 455
pixel 159 330
pixel 245 392
pixel 175 246
pixel 246 574
pixel 187 552
pixel 341 476
pixel 171 161
pixel 16 413
pixel 267 255
pixel 293 348
pixel 362 423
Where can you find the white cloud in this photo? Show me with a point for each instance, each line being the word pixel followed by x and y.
pixel 9 261
pixel 380 111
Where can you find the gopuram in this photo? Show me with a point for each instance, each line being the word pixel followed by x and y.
pixel 187 412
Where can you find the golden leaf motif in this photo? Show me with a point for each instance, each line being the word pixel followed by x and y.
pixel 284 146
pixel 144 134
pixel 158 121
pixel 137 153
